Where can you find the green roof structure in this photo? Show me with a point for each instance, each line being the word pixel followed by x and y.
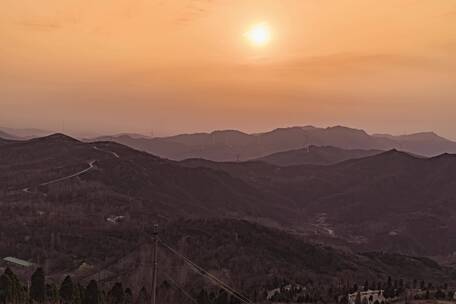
pixel 17 261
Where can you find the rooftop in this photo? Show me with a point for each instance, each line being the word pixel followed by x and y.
pixel 18 261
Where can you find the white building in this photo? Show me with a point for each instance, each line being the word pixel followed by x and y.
pixel 367 297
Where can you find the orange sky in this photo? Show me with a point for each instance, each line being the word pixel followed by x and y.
pixel 184 65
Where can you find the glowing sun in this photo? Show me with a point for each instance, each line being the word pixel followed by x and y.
pixel 259 34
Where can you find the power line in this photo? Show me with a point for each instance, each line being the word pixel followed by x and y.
pixel 205 273
pixel 180 288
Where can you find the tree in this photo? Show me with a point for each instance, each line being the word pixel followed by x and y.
pixel 427 296
pixel 422 285
pixel 203 297
pixel 116 294
pixel 358 298
pixel 78 294
pixel 52 294
pixel 389 284
pixel 66 291
pixel 142 297
pixel 91 294
pixel 439 295
pixel 222 297
pixel 13 290
pixel 38 286
pixel 128 296
pixel 5 289
pixel 355 287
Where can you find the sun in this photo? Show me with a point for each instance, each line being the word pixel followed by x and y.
pixel 259 34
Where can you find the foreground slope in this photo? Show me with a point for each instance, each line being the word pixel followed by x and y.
pixel 252 257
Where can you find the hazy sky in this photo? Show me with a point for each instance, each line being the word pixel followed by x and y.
pixel 176 66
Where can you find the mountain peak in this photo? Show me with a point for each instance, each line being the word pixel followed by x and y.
pixel 423 136
pixel 394 153
pixel 344 129
pixel 228 132
pixel 7 136
pixel 57 137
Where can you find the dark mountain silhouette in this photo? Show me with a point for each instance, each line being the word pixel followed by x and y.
pixel 315 155
pixel 231 145
pixel 250 256
pixel 58 193
pixel 27 133
pixel 392 201
pixel 4 136
pixel 165 187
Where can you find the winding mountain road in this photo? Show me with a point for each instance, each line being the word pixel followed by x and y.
pixel 106 151
pixel 91 165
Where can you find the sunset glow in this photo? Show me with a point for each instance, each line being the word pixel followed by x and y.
pixel 252 65
pixel 259 34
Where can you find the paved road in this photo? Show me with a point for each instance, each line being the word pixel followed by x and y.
pixel 110 152
pixel 90 167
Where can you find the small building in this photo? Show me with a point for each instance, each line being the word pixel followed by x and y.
pixel 18 262
pixel 286 288
pixel 115 219
pixel 367 297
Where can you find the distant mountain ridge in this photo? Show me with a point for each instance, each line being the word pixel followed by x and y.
pixel 233 145
pixel 6 136
pixel 26 133
pixel 316 155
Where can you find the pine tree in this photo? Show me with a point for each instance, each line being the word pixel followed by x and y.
pixel 116 294
pixel 14 290
pixel 91 293
pixel 38 286
pixel 358 298
pixel 5 288
pixel 222 298
pixel 203 297
pixel 78 293
pixel 52 294
pixel 66 290
pixel 142 297
pixel 128 296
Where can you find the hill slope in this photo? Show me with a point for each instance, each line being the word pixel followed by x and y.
pixel 7 136
pixel 251 257
pixel 163 186
pixel 315 155
pixel 391 201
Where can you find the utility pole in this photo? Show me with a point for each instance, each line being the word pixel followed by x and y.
pixel 155 265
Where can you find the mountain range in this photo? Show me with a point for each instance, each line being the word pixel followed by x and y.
pixel 315 155
pixel 28 133
pixel 233 145
pixel 58 192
